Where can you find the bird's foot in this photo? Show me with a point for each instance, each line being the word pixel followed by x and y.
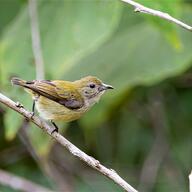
pixel 32 114
pixel 19 105
pixel 56 129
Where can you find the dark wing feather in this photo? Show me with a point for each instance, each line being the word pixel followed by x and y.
pixel 71 103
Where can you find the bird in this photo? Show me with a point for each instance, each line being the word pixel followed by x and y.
pixel 63 100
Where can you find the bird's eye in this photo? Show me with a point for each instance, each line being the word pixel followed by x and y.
pixel 92 86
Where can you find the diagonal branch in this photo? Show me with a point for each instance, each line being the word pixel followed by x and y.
pixel 90 161
pixel 142 9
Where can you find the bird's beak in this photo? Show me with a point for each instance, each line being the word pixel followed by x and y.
pixel 105 87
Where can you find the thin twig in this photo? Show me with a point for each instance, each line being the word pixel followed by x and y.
pixel 142 9
pixel 190 182
pixel 95 164
pixel 36 43
pixel 19 183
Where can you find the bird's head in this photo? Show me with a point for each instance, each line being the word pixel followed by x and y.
pixel 91 88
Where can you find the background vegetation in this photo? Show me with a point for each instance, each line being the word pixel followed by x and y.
pixel 142 129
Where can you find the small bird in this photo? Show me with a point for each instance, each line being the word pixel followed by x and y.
pixel 63 100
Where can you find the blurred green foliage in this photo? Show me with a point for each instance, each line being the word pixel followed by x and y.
pixel 141 56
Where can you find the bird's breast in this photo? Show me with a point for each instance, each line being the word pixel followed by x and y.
pixel 52 110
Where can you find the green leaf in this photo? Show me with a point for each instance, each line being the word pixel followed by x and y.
pixel 8 10
pixel 69 31
pixel 40 141
pixel 169 29
pixel 138 56
pixel 80 27
pixel 169 6
pixel 13 122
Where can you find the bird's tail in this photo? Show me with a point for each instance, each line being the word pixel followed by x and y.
pixel 17 81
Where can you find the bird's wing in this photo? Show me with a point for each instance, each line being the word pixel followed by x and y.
pixel 58 92
pixel 72 98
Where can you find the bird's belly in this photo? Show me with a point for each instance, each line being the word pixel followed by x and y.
pixel 51 110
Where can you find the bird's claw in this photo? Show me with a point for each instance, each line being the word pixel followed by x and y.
pixel 55 127
pixel 54 130
pixel 32 114
pixel 19 105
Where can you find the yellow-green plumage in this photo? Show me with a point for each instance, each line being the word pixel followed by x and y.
pixel 51 110
pixel 64 100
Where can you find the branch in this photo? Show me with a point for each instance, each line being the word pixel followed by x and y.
pixel 90 161
pixel 19 183
pixel 36 43
pixel 190 182
pixel 142 9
